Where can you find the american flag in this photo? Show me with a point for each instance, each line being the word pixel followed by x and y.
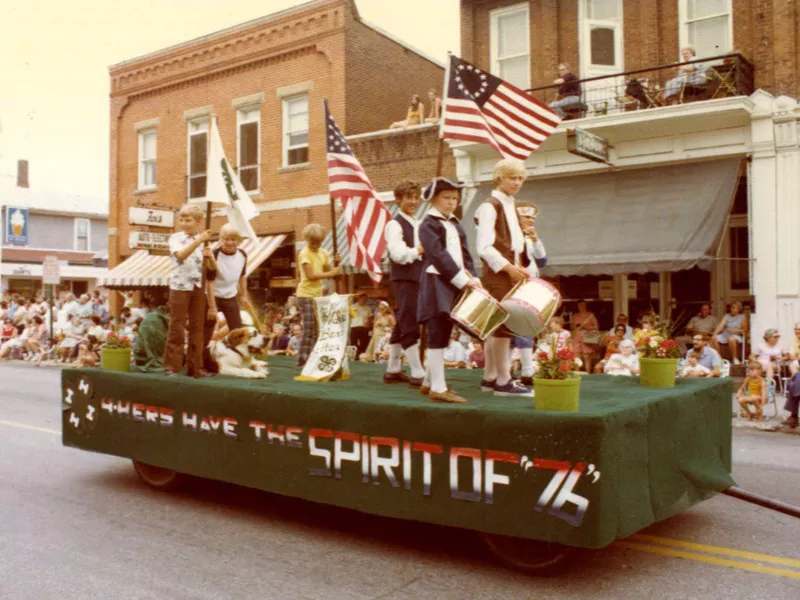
pixel 480 107
pixel 365 214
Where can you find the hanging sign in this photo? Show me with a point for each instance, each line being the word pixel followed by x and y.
pixel 328 361
pixel 144 240
pixel 17 225
pixel 153 218
pixel 51 270
pixel 587 145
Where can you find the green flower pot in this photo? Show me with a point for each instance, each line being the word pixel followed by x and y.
pixel 116 359
pixel 557 394
pixel 657 372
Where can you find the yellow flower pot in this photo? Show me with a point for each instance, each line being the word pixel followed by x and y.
pixel 657 372
pixel 116 359
pixel 557 394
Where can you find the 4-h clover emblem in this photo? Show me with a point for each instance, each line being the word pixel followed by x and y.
pixel 78 403
pixel 326 363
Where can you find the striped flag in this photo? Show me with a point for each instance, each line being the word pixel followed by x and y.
pixel 479 107
pixel 365 214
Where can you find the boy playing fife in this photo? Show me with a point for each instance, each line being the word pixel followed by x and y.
pixel 447 268
pixel 405 254
pixel 187 300
pixel 501 246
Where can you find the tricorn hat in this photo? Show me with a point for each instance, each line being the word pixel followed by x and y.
pixel 441 184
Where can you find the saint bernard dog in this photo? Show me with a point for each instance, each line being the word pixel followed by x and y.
pixel 234 354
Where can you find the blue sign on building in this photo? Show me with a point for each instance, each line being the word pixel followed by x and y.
pixel 16 225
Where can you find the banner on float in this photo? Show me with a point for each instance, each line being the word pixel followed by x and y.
pixel 328 359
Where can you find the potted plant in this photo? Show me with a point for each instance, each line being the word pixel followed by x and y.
pixel 557 383
pixel 116 354
pixel 658 356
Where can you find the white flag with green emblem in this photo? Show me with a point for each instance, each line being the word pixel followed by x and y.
pixel 225 188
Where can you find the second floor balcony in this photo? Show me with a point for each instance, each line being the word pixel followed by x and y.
pixel 678 83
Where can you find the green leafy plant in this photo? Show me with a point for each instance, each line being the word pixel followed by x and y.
pixel 117 342
pixel 555 363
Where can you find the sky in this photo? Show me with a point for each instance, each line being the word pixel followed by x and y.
pixel 55 54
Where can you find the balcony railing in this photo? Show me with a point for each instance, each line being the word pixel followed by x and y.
pixel 715 77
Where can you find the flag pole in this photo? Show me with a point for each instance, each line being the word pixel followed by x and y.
pixel 334 240
pixel 445 88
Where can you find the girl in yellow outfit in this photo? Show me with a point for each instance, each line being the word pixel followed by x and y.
pixel 753 392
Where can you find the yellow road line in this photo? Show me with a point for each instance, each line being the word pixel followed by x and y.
pixel 777 560
pixel 31 427
pixel 712 560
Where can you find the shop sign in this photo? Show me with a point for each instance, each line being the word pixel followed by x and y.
pixel 24 271
pixel 632 289
pixel 606 289
pixel 16 225
pixel 153 218
pixel 587 145
pixel 144 240
pixel 51 270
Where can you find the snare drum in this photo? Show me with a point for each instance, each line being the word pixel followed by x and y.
pixel 477 313
pixel 530 305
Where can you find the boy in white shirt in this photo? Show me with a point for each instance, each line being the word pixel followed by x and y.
pixel 693 368
pixel 187 301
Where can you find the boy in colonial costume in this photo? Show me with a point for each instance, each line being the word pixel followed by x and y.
pixel 537 257
pixel 501 246
pixel 447 268
pixel 405 255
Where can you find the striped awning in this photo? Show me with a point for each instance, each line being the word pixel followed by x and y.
pixel 344 249
pixel 149 270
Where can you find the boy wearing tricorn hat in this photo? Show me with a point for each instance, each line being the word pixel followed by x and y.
pixel 501 246
pixel 447 268
pixel 405 254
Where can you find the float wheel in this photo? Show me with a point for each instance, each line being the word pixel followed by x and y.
pixel 166 480
pixel 529 556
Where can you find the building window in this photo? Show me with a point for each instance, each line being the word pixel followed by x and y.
pixel 83 229
pixel 197 158
pixel 603 22
pixel 707 26
pixel 295 131
pixel 248 147
pixel 510 45
pixel 740 258
pixel 147 159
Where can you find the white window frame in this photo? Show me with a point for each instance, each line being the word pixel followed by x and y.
pixel 683 12
pixel 143 160
pixel 240 120
pixel 587 69
pixel 286 132
pixel 494 40
pixel 205 120
pixel 88 234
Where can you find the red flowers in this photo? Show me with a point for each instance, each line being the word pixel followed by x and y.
pixel 565 354
pixel 564 366
pixel 543 356
pixel 667 344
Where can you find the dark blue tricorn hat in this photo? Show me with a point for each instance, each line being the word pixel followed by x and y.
pixel 441 184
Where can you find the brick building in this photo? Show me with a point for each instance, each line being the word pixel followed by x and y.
pixel 698 199
pixel 264 81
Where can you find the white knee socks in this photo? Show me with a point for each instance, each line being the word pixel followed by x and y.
pixel 412 355
pixel 502 357
pixel 395 362
pixel 490 364
pixel 436 370
pixel 526 357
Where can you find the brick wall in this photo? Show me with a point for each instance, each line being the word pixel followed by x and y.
pixel 765 31
pixel 392 156
pixel 381 75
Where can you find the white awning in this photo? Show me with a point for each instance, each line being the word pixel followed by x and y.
pixel 149 270
pixel 636 221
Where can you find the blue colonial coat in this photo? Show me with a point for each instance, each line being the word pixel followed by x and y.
pixel 437 295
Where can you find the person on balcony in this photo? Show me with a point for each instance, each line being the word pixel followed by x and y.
pixel 693 75
pixel 435 112
pixel 415 116
pixel 569 91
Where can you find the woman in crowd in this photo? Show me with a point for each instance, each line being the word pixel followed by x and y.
pixel 384 321
pixel 584 329
pixel 35 338
pixel 731 331
pixel 415 116
pixel 73 334
pixel 770 353
pixel 794 351
pixel 612 343
pixel 624 362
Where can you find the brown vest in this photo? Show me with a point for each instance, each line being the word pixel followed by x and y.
pixel 502 242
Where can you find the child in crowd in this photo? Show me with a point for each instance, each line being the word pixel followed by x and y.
pixel 693 368
pixel 294 341
pixel 753 392
pixel 187 301
pixel 88 352
pixel 447 268
pixel 501 246
pixel 314 265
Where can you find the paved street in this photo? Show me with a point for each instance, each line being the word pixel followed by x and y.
pixel 82 526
